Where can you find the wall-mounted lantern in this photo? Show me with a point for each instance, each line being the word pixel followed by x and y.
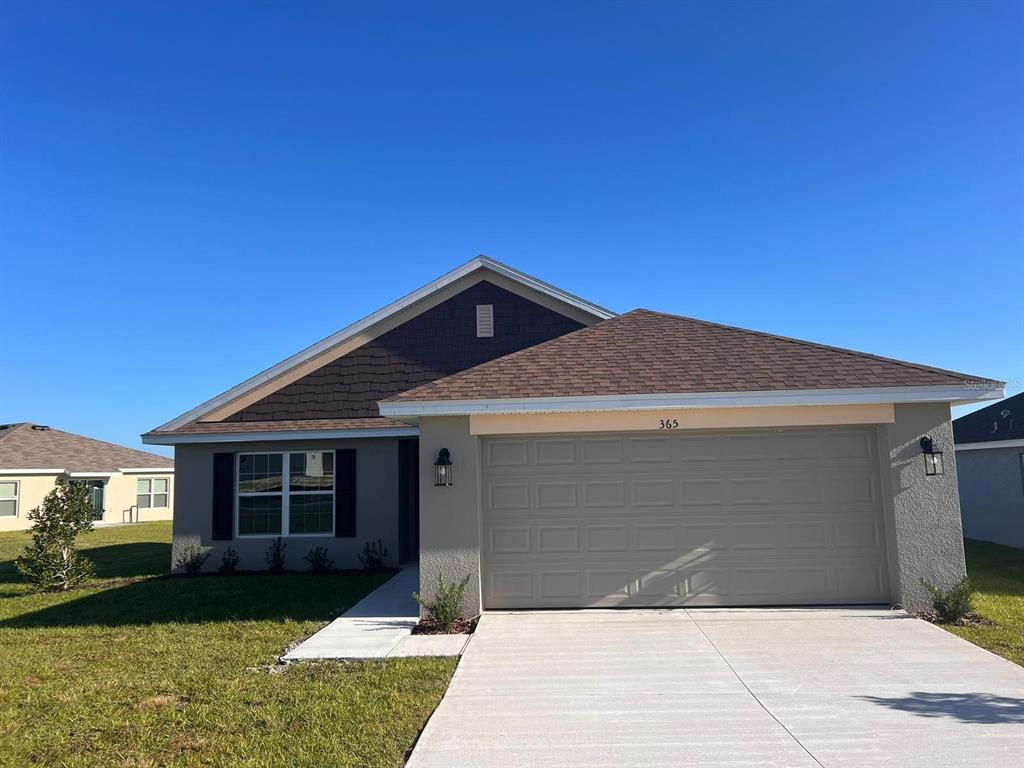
pixel 932 458
pixel 443 468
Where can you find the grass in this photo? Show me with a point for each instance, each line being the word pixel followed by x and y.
pixel 138 669
pixel 997 575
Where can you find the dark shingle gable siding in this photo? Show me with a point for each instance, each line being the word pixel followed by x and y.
pixel 436 343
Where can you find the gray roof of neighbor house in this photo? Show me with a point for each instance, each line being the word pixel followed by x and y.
pixel 1003 420
pixel 645 352
pixel 32 446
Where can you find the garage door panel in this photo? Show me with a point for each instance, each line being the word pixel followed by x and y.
pixel 760 518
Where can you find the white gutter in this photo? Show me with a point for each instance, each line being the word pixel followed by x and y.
pixel 136 470
pixel 852 396
pixel 989 444
pixel 480 262
pixel 32 471
pixel 269 437
pixel 90 474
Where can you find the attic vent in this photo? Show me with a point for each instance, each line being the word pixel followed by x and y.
pixel 40 428
pixel 484 321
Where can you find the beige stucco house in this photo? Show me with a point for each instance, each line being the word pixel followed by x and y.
pixel 126 485
pixel 561 455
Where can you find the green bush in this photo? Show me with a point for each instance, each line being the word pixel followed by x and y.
pixel 446 606
pixel 191 558
pixel 953 604
pixel 51 563
pixel 373 555
pixel 318 560
pixel 228 562
pixel 275 556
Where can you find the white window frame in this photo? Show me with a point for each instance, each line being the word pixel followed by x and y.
pixel 284 493
pixel 16 498
pixel 153 493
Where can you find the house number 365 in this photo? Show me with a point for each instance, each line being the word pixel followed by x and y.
pixel 668 424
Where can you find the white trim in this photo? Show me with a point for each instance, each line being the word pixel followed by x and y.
pixel 92 475
pixel 137 470
pixel 480 262
pixel 32 471
pixel 852 396
pixel 269 437
pixel 989 444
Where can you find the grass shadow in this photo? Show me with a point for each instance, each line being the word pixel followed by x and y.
pixel 965 707
pixel 161 600
pixel 114 561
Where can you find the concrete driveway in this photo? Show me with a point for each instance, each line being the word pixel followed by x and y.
pixel 766 687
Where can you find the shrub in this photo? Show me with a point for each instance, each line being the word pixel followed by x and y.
pixel 953 604
pixel 373 555
pixel 228 562
pixel 51 563
pixel 446 606
pixel 318 560
pixel 275 556
pixel 191 559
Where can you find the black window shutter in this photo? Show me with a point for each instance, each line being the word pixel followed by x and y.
pixel 345 493
pixel 223 496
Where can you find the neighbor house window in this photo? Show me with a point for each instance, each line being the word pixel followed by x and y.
pixel 9 498
pixel 291 493
pixel 151 492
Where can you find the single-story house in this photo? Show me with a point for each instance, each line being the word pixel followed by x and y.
pixel 494 426
pixel 990 465
pixel 126 485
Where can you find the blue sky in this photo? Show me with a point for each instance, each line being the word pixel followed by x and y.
pixel 190 192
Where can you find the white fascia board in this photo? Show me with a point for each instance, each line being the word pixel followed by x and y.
pixel 989 444
pixel 270 437
pixel 32 471
pixel 91 474
pixel 480 262
pixel 136 470
pixel 852 396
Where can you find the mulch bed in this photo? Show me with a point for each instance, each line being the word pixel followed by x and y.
pixel 430 627
pixel 970 620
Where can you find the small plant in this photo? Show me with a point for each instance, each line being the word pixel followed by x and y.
pixel 228 562
pixel 191 559
pixel 51 563
pixel 953 604
pixel 373 555
pixel 446 607
pixel 318 560
pixel 275 556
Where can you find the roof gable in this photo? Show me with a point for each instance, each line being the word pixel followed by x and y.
pixel 645 353
pixel 28 446
pixel 1000 421
pixel 377 323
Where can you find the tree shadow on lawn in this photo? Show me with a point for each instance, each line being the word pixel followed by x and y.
pixel 965 707
pixel 163 600
pixel 114 561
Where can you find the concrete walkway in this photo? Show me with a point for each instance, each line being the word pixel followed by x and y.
pixel 379 626
pixel 783 688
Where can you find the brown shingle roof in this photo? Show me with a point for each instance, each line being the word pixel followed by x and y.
pixel 645 352
pixel 24 446
pixel 244 427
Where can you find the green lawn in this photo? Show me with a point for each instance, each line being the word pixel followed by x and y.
pixel 138 669
pixel 997 574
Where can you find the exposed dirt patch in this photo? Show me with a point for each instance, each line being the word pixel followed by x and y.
pixel 430 627
pixel 970 620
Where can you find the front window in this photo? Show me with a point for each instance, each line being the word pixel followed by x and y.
pixel 9 498
pixel 290 493
pixel 151 492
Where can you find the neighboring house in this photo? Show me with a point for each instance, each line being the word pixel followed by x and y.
pixel 126 485
pixel 595 460
pixel 990 464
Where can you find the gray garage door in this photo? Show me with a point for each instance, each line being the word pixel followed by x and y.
pixel 780 517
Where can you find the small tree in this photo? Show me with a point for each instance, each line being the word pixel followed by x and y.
pixel 51 563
